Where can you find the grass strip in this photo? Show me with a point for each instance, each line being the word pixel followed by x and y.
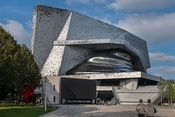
pixel 23 111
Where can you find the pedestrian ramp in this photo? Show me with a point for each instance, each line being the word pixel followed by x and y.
pixel 131 97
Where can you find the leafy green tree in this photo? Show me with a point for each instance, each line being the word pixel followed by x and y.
pixel 8 47
pixel 27 72
pixel 161 86
pixel 170 91
pixel 18 69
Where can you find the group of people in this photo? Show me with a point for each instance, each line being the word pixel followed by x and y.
pixel 102 102
pixel 147 110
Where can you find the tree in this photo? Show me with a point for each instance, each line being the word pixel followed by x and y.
pixel 26 70
pixel 18 69
pixel 8 47
pixel 170 91
pixel 161 86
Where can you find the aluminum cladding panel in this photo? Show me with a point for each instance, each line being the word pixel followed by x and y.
pixel 84 27
pixel 47 25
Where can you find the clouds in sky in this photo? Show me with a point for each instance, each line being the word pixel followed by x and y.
pixel 153 28
pixel 17 30
pixel 78 1
pixel 86 1
pixel 166 72
pixel 165 67
pixel 140 4
pixel 161 57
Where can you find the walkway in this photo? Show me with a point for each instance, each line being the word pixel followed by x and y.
pixel 103 111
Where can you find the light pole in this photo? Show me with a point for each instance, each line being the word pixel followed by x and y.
pixel 45 98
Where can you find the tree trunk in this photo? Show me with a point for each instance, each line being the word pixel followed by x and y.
pixel 19 97
pixel 12 94
pixel 161 100
pixel 171 101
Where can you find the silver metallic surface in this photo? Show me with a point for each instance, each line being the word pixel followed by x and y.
pixel 107 61
pixel 63 39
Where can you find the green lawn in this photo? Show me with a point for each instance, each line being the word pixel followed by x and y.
pixel 22 111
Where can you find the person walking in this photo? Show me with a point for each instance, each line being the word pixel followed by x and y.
pixel 140 108
pixel 150 109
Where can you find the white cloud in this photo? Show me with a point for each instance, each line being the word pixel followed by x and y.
pixel 17 30
pixel 86 1
pixel 140 4
pixel 161 57
pixel 167 72
pixel 101 1
pixel 150 27
pixel 78 1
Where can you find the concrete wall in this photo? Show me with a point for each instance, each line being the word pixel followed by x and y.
pixel 53 92
pixel 129 84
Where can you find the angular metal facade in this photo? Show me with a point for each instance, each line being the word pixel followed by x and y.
pixel 62 39
pixel 67 44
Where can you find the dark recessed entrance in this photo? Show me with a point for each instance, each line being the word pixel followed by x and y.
pixel 78 91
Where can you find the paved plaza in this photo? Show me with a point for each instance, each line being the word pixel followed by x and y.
pixel 104 111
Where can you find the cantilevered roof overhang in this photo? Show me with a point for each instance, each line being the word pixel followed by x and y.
pixel 121 75
pixel 105 44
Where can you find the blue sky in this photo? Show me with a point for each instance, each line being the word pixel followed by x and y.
pixel 151 20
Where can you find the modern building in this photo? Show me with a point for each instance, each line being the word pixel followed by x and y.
pixel 83 59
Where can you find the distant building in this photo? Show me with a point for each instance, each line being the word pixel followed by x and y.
pixel 77 53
